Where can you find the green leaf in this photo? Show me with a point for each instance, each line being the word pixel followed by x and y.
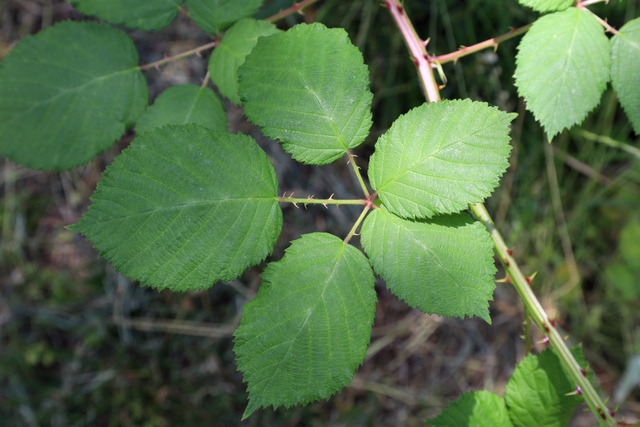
pixel 142 14
pixel 214 16
pixel 547 5
pixel 183 207
pixel 537 393
pixel 308 87
pixel 625 78
pixel 440 157
pixel 232 51
pixel 443 265
pixel 307 330
pixel 622 282
pixel 562 68
pixel 629 244
pixel 473 409
pixel 61 103
pixel 184 104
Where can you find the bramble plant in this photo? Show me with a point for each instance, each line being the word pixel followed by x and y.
pixel 188 204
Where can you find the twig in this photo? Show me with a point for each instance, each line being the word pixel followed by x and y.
pixel 467 50
pixel 168 59
pixel 297 7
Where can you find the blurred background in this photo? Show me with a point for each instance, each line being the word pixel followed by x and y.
pixel 82 345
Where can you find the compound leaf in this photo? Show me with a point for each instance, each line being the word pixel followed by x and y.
pixel 473 409
pixel 67 93
pixel 142 14
pixel 547 5
pixel 625 78
pixel 538 393
pixel 232 51
pixel 184 104
pixel 440 157
pixel 308 87
pixel 307 330
pixel 443 265
pixel 184 206
pixel 562 68
pixel 214 16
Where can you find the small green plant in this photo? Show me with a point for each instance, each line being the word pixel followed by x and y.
pixel 188 204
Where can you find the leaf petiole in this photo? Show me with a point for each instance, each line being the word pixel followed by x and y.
pixel 356 169
pixel 352 232
pixel 324 202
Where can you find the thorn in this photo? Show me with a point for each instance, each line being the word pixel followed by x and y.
pixel 545 327
pixel 583 372
pixel 440 87
pixel 295 204
pixel 291 195
pixel 565 337
pixel 545 340
pixel 552 322
pixel 510 252
pixel 198 54
pixel 577 391
pixel 506 279
pixel 165 57
pixel 426 42
pixel 415 61
pixel 157 66
pixel 331 196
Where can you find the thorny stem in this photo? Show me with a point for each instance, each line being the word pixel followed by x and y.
pixel 416 48
pixel 297 7
pixel 515 276
pixel 467 50
pixel 310 200
pixel 356 169
pixel 537 313
pixel 604 23
pixel 168 59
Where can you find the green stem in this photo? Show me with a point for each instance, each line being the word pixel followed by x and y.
pixel 168 59
pixel 356 169
pixel 527 332
pixel 611 142
pixel 467 50
pixel 537 313
pixel 324 202
pixel 297 7
pixel 352 232
pixel 520 282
